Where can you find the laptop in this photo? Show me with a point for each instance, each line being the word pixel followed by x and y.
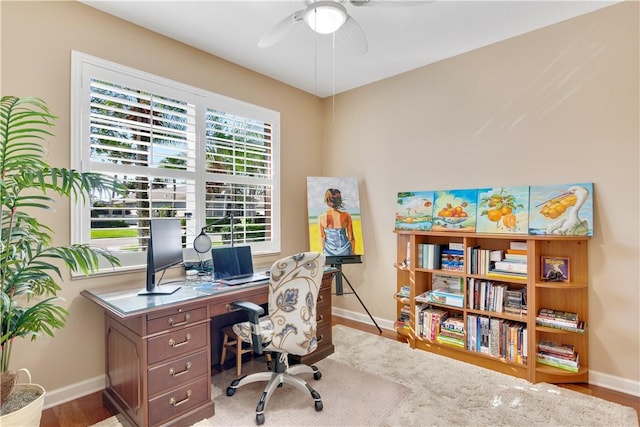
pixel 234 266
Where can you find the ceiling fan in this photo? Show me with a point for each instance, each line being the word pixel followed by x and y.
pixel 326 17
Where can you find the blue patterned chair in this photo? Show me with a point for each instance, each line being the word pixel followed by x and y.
pixel 289 328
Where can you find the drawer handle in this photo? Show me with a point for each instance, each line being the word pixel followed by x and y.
pixel 173 372
pixel 184 322
pixel 174 344
pixel 173 402
pixel 320 298
pixel 320 338
pixel 320 319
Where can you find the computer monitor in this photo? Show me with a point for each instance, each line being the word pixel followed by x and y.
pixel 164 250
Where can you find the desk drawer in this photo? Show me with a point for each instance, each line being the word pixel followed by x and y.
pixel 225 307
pixel 178 372
pixel 324 336
pixel 176 343
pixel 324 299
pixel 178 401
pixel 171 319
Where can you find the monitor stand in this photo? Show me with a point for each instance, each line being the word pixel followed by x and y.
pixel 160 290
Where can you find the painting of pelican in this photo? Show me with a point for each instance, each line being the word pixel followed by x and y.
pixel 561 209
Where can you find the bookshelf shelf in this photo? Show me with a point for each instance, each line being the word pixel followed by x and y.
pixel 550 370
pixel 559 331
pixel 519 331
pixel 556 285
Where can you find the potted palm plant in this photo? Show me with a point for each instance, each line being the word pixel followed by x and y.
pixel 30 265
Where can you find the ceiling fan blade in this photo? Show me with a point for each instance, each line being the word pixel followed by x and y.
pixel 281 29
pixel 352 37
pixel 388 3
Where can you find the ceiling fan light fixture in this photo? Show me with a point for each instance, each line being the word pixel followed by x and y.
pixel 325 17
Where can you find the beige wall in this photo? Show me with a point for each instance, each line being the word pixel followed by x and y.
pixel 37 40
pixel 553 106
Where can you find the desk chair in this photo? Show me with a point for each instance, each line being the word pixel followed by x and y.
pixel 289 328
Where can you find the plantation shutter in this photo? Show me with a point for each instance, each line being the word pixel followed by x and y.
pixel 182 153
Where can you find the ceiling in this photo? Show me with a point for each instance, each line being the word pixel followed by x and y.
pixel 401 36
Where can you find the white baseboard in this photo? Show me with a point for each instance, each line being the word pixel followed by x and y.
pixel 82 388
pixel 362 318
pixel 73 391
pixel 611 382
pixel 623 385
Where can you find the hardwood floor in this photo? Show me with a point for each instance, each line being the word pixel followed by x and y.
pixel 89 410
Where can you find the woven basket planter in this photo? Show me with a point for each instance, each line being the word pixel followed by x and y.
pixel 30 414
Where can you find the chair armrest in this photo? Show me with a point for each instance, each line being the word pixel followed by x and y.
pixel 254 311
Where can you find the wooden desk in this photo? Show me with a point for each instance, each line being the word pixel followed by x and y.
pixel 158 348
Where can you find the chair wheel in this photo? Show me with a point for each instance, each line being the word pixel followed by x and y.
pixel 317 375
pixel 319 405
pixel 231 391
pixel 260 419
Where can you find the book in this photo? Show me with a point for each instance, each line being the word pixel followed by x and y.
pixel 557 320
pixel 554 347
pixel 496 255
pixel 516 251
pixel 484 335
pixel 554 269
pixel 430 256
pixel 423 297
pixel 506 275
pixel 515 257
pixel 447 281
pixel 456 246
pixel 495 326
pixel 510 266
pixel 518 245
pixel 558 314
pixel 472 332
pixel 454 341
pixel 580 327
pixel 454 324
pixel 567 365
pixel 442 296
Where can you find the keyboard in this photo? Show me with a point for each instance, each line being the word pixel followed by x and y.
pixel 257 277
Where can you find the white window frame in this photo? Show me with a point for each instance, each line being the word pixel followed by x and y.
pixel 84 67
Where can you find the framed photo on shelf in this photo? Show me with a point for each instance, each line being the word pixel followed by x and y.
pixel 554 269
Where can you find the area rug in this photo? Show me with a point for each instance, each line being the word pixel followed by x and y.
pixel 347 394
pixel 375 381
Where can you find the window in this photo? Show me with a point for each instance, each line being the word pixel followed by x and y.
pixel 181 152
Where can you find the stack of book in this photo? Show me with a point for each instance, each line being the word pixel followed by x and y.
pixel 405 312
pixel 404 292
pixel 559 319
pixel 513 263
pixel 405 317
pixel 452 258
pixel 557 355
pixel 452 332
pixel 445 289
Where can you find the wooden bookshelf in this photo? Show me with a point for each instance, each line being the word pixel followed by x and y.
pixel 571 296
